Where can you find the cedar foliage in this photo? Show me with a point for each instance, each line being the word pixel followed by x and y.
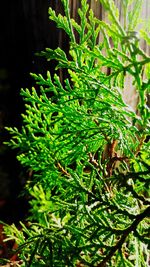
pixel 87 149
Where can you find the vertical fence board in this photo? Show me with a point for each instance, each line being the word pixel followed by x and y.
pixel 130 95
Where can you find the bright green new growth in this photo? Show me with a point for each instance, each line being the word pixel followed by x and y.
pixel 87 149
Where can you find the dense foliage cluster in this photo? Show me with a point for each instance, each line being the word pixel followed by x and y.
pixel 88 150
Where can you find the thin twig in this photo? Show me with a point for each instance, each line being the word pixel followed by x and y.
pixel 125 234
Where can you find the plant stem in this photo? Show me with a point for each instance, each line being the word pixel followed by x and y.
pixel 130 229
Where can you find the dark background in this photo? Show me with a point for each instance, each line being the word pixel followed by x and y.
pixel 24 30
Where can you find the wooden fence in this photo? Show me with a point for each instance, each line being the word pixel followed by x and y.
pixel 130 94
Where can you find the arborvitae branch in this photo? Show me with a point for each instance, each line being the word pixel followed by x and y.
pixel 87 149
pixel 131 228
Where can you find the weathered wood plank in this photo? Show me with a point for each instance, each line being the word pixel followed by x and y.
pixel 130 95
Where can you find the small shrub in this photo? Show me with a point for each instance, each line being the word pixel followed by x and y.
pixel 88 150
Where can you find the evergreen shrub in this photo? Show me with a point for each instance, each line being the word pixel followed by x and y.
pixel 87 149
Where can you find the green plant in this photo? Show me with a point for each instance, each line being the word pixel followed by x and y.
pixel 87 149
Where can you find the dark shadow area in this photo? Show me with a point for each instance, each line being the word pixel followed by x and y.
pixel 24 30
